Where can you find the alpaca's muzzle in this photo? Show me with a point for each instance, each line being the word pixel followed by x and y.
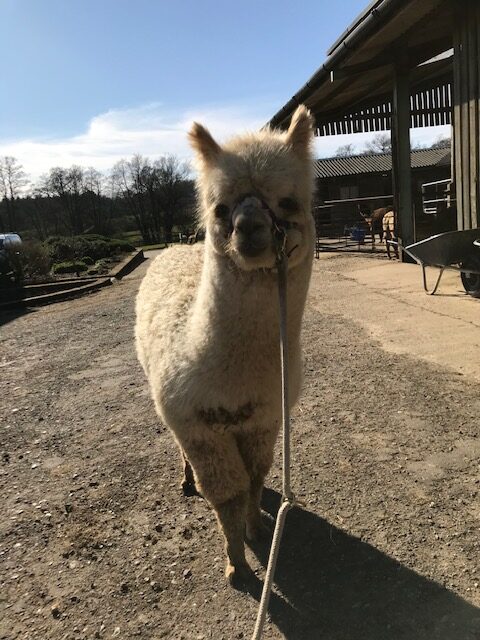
pixel 252 226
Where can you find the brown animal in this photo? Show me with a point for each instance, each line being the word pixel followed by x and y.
pixel 375 223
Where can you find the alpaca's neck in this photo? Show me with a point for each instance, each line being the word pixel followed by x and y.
pixel 233 302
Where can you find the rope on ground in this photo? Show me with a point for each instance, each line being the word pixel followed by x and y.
pixel 288 497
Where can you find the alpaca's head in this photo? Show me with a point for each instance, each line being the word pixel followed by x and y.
pixel 243 182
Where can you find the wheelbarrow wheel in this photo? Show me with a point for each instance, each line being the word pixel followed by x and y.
pixel 471 281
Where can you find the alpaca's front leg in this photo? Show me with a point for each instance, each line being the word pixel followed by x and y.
pixel 256 448
pixel 256 529
pixel 222 479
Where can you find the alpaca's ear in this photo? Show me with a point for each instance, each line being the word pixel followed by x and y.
pixel 300 131
pixel 203 143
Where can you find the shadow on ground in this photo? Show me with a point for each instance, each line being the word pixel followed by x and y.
pixel 7 315
pixel 333 586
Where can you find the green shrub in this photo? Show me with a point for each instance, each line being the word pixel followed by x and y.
pixel 59 248
pixel 103 265
pixel 88 260
pixel 73 266
pixel 94 246
pixel 34 258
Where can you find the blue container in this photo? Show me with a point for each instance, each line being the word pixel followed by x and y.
pixel 358 234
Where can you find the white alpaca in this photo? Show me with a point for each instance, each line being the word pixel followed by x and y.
pixel 207 320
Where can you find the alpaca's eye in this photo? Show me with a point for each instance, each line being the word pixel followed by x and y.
pixel 221 211
pixel 289 205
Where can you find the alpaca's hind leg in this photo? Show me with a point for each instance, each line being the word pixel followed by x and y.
pixel 222 479
pixel 387 244
pixel 188 482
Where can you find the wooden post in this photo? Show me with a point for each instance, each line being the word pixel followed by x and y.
pixel 401 169
pixel 466 82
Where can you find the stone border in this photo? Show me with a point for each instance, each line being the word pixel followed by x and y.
pixel 130 263
pixel 124 268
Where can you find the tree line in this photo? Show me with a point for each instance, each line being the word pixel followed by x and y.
pixel 382 143
pixel 152 197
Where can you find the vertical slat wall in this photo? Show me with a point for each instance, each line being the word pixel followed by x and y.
pixel 428 107
pixel 467 113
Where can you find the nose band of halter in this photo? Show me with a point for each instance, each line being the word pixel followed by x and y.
pixel 280 226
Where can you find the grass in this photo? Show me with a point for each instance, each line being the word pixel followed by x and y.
pixel 134 237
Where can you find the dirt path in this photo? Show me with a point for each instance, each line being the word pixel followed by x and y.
pixel 96 540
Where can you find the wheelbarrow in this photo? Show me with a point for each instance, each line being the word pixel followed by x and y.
pixel 457 250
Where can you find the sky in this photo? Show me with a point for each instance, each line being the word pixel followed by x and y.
pixel 89 82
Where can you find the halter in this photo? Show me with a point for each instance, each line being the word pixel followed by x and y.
pixel 280 226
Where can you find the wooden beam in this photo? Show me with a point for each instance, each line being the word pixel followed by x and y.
pixel 358 69
pixel 473 105
pixel 417 55
pixel 467 114
pixel 401 169
pixel 457 138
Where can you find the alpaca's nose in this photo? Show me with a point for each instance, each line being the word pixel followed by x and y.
pixel 247 223
pixel 252 229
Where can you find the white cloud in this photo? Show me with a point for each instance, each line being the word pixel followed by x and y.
pixel 150 130
pixel 154 130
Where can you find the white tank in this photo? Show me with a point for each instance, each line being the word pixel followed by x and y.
pixel 9 240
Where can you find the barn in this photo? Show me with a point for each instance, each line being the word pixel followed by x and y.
pixel 404 64
pixel 350 186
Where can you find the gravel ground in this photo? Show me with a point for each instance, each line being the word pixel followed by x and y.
pixel 97 541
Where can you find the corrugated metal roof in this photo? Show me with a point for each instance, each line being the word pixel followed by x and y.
pixel 378 162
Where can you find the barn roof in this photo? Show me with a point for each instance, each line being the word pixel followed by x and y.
pixel 352 90
pixel 378 162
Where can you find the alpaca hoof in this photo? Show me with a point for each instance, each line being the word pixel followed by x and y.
pixel 238 575
pixel 259 532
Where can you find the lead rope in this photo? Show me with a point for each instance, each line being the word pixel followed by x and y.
pixel 288 499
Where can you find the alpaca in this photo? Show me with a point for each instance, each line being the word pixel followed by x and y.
pixel 207 330
pixel 390 232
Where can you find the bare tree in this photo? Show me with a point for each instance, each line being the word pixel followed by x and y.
pixel 96 208
pixel 381 143
pixel 158 194
pixel 45 214
pixel 34 210
pixel 174 192
pixel 76 182
pixel 345 150
pixel 416 146
pixel 440 142
pixel 129 178
pixel 12 181
pixel 67 185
